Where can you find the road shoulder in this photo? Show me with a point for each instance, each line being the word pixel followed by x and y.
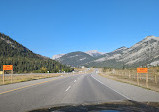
pixel 132 92
pixel 21 85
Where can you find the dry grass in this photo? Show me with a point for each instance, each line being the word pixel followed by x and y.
pixel 130 76
pixel 29 77
pixel 23 78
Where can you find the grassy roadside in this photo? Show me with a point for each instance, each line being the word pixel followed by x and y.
pixel 29 77
pixel 24 78
pixel 130 81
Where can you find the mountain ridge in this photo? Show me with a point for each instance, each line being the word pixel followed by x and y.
pixel 75 59
pixel 136 55
pixel 93 53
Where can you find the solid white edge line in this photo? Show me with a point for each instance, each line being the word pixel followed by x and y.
pixel 112 89
pixel 68 88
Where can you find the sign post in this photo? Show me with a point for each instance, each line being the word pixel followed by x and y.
pixel 138 83
pixel 147 81
pixel 7 67
pixel 143 70
pixel 12 76
pixel 3 76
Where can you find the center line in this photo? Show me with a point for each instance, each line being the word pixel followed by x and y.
pixel 74 80
pixel 68 88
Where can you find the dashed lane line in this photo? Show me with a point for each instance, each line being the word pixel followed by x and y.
pixel 68 88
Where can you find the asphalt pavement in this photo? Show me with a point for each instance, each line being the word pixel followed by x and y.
pixel 75 89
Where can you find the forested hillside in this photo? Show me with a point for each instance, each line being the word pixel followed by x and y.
pixel 24 60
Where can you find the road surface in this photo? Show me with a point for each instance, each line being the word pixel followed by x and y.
pixel 76 89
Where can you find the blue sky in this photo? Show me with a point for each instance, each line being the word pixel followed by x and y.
pixel 50 27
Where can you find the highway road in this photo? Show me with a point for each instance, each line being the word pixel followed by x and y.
pixel 76 89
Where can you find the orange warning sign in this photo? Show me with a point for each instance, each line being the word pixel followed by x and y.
pixel 142 70
pixel 7 67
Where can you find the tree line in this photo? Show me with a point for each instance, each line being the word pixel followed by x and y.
pixel 24 60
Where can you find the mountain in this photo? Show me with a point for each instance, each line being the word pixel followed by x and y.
pixel 24 60
pixel 57 56
pixel 75 59
pixel 143 53
pixel 116 54
pixel 108 59
pixel 94 53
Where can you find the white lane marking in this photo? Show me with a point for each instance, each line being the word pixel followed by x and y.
pixel 111 88
pixel 68 88
pixel 74 80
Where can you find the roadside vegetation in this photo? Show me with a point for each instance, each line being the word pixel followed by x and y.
pixel 24 60
pixel 130 76
pixel 28 77
pixel 35 76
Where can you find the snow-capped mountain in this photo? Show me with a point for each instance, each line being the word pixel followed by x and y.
pixel 94 53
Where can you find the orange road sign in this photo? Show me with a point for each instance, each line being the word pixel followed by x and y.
pixel 7 67
pixel 142 70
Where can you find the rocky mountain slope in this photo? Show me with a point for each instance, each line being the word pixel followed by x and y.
pixel 143 53
pixel 75 59
pixel 94 53
pixel 57 56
